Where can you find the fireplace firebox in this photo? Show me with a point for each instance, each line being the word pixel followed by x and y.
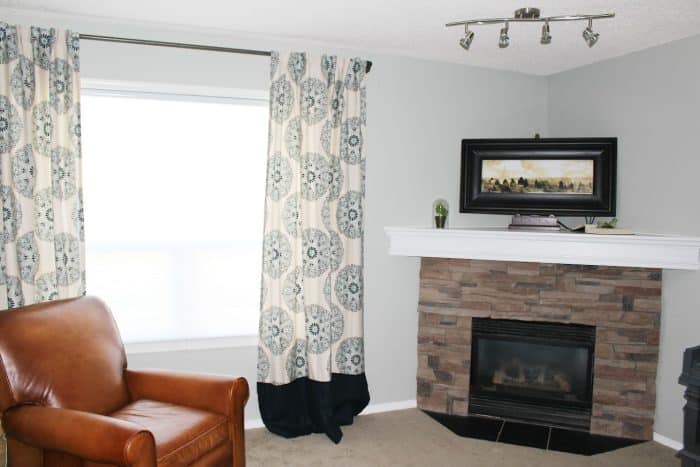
pixel 532 371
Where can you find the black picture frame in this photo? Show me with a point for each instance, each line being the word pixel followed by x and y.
pixel 603 152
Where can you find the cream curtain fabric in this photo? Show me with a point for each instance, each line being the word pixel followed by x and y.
pixel 42 236
pixel 41 241
pixel 311 321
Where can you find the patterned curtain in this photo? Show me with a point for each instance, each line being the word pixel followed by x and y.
pixel 41 243
pixel 311 355
pixel 42 237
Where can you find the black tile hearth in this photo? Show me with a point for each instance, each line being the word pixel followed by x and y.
pixel 523 434
pixel 577 442
pixel 536 436
pixel 470 427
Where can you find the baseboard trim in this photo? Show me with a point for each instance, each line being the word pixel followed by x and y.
pixel 668 442
pixel 370 409
pixel 254 423
pixel 389 407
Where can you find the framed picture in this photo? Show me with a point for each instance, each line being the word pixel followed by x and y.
pixel 561 176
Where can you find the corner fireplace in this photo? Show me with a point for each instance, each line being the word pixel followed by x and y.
pixel 532 371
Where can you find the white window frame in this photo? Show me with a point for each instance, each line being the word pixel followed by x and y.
pixel 155 90
pixel 158 90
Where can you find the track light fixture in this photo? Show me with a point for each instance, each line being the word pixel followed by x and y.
pixel 589 36
pixel 503 39
pixel 529 15
pixel 546 36
pixel 466 41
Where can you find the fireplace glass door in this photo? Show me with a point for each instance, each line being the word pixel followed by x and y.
pixel 536 372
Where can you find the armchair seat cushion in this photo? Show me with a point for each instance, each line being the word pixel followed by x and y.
pixel 183 435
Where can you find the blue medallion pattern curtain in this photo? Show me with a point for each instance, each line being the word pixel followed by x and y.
pixel 42 238
pixel 311 355
pixel 42 235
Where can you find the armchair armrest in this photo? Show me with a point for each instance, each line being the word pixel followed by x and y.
pixel 218 394
pixel 86 435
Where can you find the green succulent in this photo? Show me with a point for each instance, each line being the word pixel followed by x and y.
pixel 441 210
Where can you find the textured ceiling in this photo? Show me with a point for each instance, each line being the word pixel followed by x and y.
pixel 415 27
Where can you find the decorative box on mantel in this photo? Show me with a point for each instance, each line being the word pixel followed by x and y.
pixel 558 329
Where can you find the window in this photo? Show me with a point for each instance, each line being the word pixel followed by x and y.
pixel 174 192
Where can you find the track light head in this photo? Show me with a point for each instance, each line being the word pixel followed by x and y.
pixel 503 39
pixel 466 41
pixel 589 36
pixel 546 36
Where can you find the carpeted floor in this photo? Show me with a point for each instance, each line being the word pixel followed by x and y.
pixel 411 438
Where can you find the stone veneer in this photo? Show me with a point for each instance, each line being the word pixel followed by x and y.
pixel 623 303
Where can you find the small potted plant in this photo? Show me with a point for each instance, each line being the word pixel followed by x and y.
pixel 440 211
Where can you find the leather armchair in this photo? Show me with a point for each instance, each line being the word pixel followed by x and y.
pixel 67 398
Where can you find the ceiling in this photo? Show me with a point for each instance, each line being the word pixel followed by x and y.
pixel 415 27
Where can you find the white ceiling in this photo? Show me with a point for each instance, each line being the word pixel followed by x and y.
pixel 416 27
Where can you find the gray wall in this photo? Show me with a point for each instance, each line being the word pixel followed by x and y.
pixel 418 111
pixel 650 101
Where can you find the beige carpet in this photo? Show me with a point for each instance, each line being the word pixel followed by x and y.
pixel 411 438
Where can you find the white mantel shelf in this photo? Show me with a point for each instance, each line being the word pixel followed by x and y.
pixel 641 250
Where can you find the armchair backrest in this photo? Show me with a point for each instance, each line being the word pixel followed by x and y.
pixel 65 354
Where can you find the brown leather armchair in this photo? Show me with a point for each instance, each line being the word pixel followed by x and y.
pixel 67 398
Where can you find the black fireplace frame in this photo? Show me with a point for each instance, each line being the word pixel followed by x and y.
pixel 566 414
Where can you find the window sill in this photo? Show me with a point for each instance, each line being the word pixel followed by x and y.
pixel 190 344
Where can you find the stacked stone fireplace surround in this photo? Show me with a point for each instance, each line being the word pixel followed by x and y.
pixel 623 303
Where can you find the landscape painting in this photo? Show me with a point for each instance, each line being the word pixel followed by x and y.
pixel 551 176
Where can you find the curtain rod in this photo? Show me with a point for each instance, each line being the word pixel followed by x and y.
pixel 181 45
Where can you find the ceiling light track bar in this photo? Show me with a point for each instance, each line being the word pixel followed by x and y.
pixel 530 20
pixel 530 15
